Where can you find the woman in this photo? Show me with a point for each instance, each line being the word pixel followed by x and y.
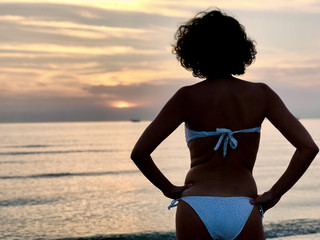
pixel 222 117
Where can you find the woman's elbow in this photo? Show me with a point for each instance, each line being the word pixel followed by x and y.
pixel 312 150
pixel 315 149
pixel 134 155
pixel 137 155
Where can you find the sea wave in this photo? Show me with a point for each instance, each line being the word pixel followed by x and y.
pixel 12 162
pixel 272 230
pixel 26 201
pixel 28 146
pixel 68 174
pixel 57 152
pixel 292 227
pixel 134 236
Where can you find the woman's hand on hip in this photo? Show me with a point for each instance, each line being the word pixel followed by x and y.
pixel 265 200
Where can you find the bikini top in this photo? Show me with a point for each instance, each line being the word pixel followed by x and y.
pixel 226 135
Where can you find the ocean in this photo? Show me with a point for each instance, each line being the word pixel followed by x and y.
pixel 76 181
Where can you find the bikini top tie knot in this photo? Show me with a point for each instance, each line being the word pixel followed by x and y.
pixel 226 135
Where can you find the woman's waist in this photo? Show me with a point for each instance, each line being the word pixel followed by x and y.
pixel 221 182
pixel 221 190
pixel 212 171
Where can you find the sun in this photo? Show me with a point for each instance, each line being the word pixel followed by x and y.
pixel 122 104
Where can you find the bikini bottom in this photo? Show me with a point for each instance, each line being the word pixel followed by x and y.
pixel 224 217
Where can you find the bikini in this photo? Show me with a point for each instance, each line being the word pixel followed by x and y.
pixel 224 217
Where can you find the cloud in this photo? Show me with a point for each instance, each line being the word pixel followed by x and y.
pixel 74 29
pixel 76 50
pixel 189 7
pixel 61 29
pixel 38 109
pixel 299 87
pixel 65 12
pixel 300 77
pixel 144 94
pixel 303 102
pixel 89 44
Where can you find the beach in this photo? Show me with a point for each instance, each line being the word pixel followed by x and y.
pixel 76 181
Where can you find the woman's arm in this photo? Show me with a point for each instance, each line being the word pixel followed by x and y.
pixel 298 136
pixel 169 118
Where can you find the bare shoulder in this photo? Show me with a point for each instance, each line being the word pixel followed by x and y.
pixel 264 87
pixel 272 98
pixel 256 85
pixel 267 96
pixel 257 90
pixel 188 88
pixel 181 95
pixel 186 92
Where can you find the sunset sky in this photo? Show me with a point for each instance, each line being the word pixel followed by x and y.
pixel 111 60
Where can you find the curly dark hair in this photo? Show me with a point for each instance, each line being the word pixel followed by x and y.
pixel 213 44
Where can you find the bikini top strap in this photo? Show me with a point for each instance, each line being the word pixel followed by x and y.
pixel 249 130
pixel 192 134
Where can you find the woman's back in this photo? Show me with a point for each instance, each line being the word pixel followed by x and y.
pixel 232 104
pixel 225 102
